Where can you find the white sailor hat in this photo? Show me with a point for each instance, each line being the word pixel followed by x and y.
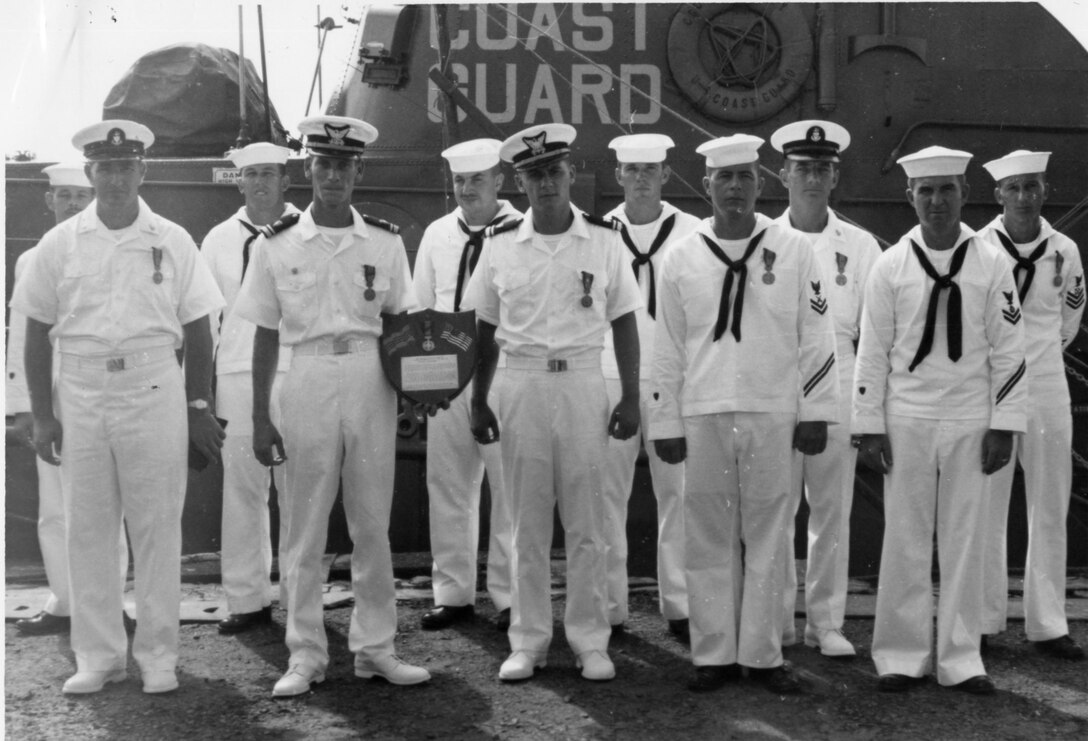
pixel 726 151
pixel 67 174
pixel 475 155
pixel 935 162
pixel 336 136
pixel 811 140
pixel 259 153
pixel 641 147
pixel 537 144
pixel 1020 162
pixel 115 139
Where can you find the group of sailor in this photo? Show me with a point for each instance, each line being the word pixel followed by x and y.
pixel 754 358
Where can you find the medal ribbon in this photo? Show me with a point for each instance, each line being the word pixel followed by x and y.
pixel 1023 264
pixel 741 271
pixel 955 301
pixel 470 255
pixel 645 258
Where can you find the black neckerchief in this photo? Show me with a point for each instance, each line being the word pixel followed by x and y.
pixel 470 255
pixel 741 270
pixel 955 305
pixel 645 258
pixel 1023 264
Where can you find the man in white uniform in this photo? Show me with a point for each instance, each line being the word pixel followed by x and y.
pixel 69 193
pixel 547 288
pixel 938 395
pixel 320 288
pixel 744 371
pixel 845 254
pixel 119 289
pixel 650 226
pixel 228 247
pixel 447 256
pixel 1050 281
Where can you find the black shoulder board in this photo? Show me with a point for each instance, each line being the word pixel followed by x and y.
pixel 279 225
pixel 506 226
pixel 381 224
pixel 612 224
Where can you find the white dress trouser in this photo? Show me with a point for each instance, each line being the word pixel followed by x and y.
pixel 455 473
pixel 339 424
pixel 246 540
pixel 1045 453
pixel 554 428
pixel 739 487
pixel 935 483
pixel 829 489
pixel 668 485
pixel 124 455
pixel 53 540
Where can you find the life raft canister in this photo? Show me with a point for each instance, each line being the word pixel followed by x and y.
pixel 737 62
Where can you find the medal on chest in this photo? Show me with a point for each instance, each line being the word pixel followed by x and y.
pixel 156 260
pixel 768 266
pixel 587 285
pixel 840 264
pixel 1058 261
pixel 369 272
pixel 428 331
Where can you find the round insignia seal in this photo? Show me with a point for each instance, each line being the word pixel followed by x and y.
pixel 428 345
pixel 587 301
pixel 369 294
pixel 739 62
pixel 768 278
pixel 840 279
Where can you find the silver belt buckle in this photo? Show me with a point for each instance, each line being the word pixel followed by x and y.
pixel 341 347
pixel 115 364
pixel 557 366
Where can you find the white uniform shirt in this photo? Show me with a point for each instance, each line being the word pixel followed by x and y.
pixel 533 294
pixel 846 250
pixel 18 395
pixel 222 250
pixel 439 257
pixel 311 287
pixel 986 382
pixel 785 361
pixel 96 287
pixel 643 236
pixel 1052 313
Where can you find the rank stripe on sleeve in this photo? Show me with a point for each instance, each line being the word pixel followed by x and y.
pixel 820 374
pixel 1011 383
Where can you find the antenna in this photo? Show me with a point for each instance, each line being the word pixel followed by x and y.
pixel 324 27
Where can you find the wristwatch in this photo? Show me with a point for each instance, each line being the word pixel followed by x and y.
pixel 200 404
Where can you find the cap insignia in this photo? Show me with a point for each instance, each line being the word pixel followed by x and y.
pixel 337 133
pixel 536 143
pixel 816 134
pixel 116 137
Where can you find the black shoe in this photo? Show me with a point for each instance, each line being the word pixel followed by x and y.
pixel 984 646
pixel 679 628
pixel 444 616
pixel 780 679
pixel 618 630
pixel 708 678
pixel 44 624
pixel 502 622
pixel 243 621
pixel 897 682
pixel 980 685
pixel 1062 647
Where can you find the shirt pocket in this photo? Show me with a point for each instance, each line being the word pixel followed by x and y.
pixel 514 286
pixel 297 292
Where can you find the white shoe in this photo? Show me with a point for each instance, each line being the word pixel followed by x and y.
pixel 596 666
pixel 391 669
pixel 160 680
pixel 521 665
pixel 297 681
pixel 84 683
pixel 830 642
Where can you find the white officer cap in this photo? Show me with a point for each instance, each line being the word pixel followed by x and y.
pixel 641 147
pixel 726 151
pixel 811 140
pixel 259 153
pixel 537 144
pixel 1020 162
pixel 336 136
pixel 67 174
pixel 115 139
pixel 475 155
pixel 935 162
